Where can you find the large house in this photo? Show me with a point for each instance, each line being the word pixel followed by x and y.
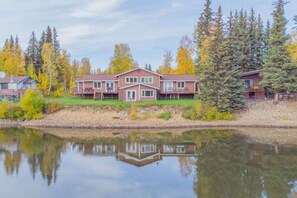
pixel 136 85
pixel 13 87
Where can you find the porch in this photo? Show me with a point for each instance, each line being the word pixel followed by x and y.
pixel 96 94
pixel 173 93
pixel 11 94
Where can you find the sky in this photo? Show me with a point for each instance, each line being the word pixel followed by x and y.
pixel 91 28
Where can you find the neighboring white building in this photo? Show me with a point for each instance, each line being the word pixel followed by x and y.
pixel 15 86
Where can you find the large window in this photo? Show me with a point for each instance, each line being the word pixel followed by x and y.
pixel 180 85
pixel 131 147
pixel 97 85
pixel 146 79
pixel 131 79
pixel 168 86
pixel 147 148
pixel 147 93
pixel 248 83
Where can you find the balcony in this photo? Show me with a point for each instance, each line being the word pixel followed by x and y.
pixel 186 90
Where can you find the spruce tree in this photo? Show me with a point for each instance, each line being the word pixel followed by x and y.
pixel 150 67
pixel 42 41
pixel 220 80
pixel 279 73
pixel 266 38
pixel 203 30
pixel 32 52
pixel 259 48
pixel 252 65
pixel 49 35
pixel 56 42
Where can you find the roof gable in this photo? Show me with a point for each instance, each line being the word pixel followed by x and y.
pixel 137 84
pixel 251 73
pixel 139 69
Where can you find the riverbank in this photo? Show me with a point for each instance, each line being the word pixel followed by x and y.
pixel 260 114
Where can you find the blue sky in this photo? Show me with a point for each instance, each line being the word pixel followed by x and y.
pixel 91 28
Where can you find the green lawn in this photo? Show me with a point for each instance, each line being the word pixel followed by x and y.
pixel 117 103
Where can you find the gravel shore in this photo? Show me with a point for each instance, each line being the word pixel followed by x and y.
pixel 260 114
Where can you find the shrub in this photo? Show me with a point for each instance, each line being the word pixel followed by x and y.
pixel 52 107
pixel 203 111
pixel 15 111
pixel 59 92
pixel 189 114
pixel 4 106
pixel 165 115
pixel 133 113
pixel 32 103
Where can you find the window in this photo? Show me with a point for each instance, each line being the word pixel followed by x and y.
pixel 97 85
pixel 131 79
pixel 180 85
pixel 180 149
pixel 147 80
pixel 168 149
pixel 147 148
pixel 4 86
pixel 168 86
pixel 248 83
pixel 131 147
pixel 147 93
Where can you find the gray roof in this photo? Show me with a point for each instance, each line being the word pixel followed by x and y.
pixel 250 72
pixel 14 79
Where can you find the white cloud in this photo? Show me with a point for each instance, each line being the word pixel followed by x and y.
pixel 103 8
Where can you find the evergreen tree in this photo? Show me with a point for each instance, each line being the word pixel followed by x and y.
pixel 244 41
pixel 32 52
pixel 40 62
pixel 259 47
pixel 266 38
pixel 49 35
pixel 202 35
pixel 279 73
pixel 220 79
pixel 150 67
pixel 11 41
pixel 146 67
pixel 56 42
pixel 252 64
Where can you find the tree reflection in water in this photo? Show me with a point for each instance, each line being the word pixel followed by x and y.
pixel 224 165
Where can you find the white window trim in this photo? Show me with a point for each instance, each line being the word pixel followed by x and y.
pixel 180 87
pixel 106 82
pixel 147 77
pixel 131 77
pixel 150 145
pixel 97 84
pixel 127 96
pixel 143 90
pixel 165 86
pixel 128 146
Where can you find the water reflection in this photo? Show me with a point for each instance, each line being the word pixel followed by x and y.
pixel 214 163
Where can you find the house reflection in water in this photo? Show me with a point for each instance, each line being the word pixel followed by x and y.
pixel 139 154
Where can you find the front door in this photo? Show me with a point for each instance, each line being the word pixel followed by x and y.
pixel 131 95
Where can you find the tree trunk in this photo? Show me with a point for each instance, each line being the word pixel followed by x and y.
pixel 50 84
pixel 276 98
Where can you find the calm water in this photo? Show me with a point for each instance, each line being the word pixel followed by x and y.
pixel 204 163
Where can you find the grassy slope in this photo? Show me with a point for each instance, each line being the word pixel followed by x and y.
pixel 117 103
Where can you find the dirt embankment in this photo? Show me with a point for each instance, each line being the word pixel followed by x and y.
pixel 260 114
